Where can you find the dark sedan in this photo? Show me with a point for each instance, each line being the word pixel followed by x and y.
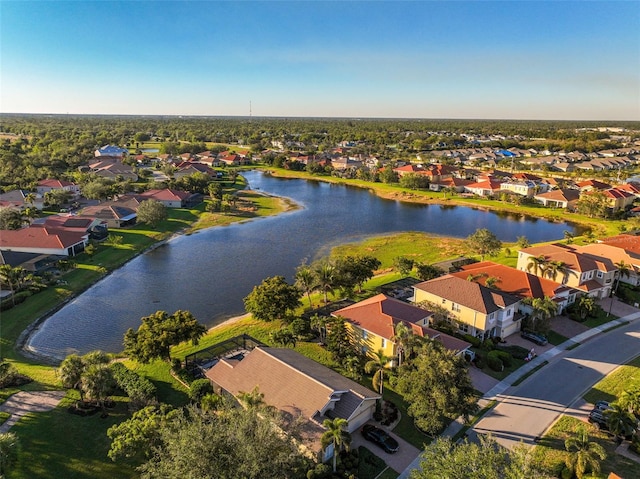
pixel 380 437
pixel 539 339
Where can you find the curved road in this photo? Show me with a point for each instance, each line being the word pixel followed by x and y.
pixel 526 411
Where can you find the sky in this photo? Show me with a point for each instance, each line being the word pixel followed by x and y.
pixel 418 59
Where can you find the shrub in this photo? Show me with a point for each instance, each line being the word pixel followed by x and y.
pixel 476 342
pixel 200 388
pixel 479 361
pixel 488 344
pixel 17 299
pixel 517 352
pixel 140 390
pixel 505 357
pixel 494 361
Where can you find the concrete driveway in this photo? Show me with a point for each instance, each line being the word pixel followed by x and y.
pixel 398 461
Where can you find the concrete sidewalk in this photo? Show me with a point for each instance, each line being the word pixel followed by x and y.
pixel 495 393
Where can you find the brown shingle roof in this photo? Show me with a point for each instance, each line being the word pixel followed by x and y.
pixel 467 293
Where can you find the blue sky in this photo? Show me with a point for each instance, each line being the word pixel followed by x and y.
pixel 419 59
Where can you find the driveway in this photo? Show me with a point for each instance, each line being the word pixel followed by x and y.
pixel 398 461
pixel 25 402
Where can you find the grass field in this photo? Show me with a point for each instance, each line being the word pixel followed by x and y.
pixel 625 377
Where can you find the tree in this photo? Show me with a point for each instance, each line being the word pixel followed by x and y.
pixel 152 212
pixel 336 434
pixel 57 198
pixel 73 372
pixel 403 265
pixel 583 454
pixel 592 204
pixel 158 332
pixel 339 339
pixel 230 443
pixel 97 190
pixel 97 383
pixel 620 421
pixel 486 459
pixel 555 268
pixel 437 386
pixel 522 242
pixel 377 365
pixel 11 219
pixel 404 340
pixel 624 271
pixel 586 305
pixel 569 236
pixel 387 175
pixel 253 399
pixel 272 299
pixel 9 448
pixel 215 190
pixel 284 337
pixel 14 277
pixel 199 389
pixel 306 281
pixel 484 242
pixel 326 277
pixel 426 272
pixel 543 309
pixel 355 270
pixel 630 400
pixel 319 324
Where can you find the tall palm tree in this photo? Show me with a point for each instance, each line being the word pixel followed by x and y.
pixel 542 310
pixel 70 373
pixel 583 454
pixel 306 280
pixel 624 271
pixel 377 365
pixel 13 277
pixel 538 264
pixel 337 435
pixel 98 383
pixel 403 338
pixel 326 276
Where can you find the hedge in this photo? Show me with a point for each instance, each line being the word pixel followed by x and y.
pixel 140 390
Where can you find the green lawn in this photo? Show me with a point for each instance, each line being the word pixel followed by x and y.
pixel 623 378
pixel 550 452
pixel 556 338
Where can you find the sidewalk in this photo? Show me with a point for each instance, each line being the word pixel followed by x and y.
pixel 494 394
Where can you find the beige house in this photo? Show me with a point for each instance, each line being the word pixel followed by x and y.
pixel 476 309
pixel 298 387
pixel 592 275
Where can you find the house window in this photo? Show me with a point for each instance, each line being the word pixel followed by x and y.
pixel 364 334
pixel 384 342
pixel 455 307
pixel 509 313
pixel 444 301
pixel 463 327
pixel 599 274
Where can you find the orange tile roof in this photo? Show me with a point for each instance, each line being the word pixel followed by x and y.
pixel 40 237
pixel 511 280
pixel 630 243
pixel 571 257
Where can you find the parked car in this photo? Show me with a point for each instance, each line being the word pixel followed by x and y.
pixel 602 406
pixel 539 339
pixel 380 437
pixel 598 419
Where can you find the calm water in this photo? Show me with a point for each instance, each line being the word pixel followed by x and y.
pixel 211 271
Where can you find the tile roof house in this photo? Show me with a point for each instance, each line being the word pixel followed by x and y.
pixel 170 198
pixel 373 322
pixel 20 200
pixel 111 150
pixel 518 283
pixel 297 386
pixel 45 186
pixel 44 240
pixel 484 188
pixel 96 228
pixel 590 185
pixel 618 199
pixel 186 168
pixel 563 198
pixel 112 168
pixel 477 310
pixel 589 274
pixel 116 214
pixel 619 249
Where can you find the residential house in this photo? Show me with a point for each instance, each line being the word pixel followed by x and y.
pixel 97 229
pixel 519 283
pixel 298 387
pixel 21 200
pixel 619 253
pixel 170 198
pixel 112 168
pixel 45 186
pixel 484 188
pixel 476 309
pixel 589 274
pixel 44 240
pixel 618 199
pixel 116 214
pixel 373 322
pixel 186 168
pixel 592 185
pixel 112 151
pixel 32 262
pixel 562 198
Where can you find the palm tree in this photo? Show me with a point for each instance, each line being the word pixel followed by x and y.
pixel 542 309
pixel 491 282
pixel 377 366
pixel 325 274
pixel 319 323
pixel 583 454
pixel 70 373
pixel 586 305
pixel 624 271
pixel 254 399
pixel 620 421
pixel 569 236
pixel 556 267
pixel 538 264
pixel 630 399
pixel 13 277
pixel 337 435
pixel 97 383
pixel 404 340
pixel 306 281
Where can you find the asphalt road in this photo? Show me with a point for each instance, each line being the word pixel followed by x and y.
pixel 526 411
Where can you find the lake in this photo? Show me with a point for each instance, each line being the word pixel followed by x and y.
pixel 211 271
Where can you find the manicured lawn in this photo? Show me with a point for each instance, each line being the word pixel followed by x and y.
pixel 57 444
pixel 623 378
pixel 556 338
pixel 405 427
pixel 600 319
pixel 550 452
